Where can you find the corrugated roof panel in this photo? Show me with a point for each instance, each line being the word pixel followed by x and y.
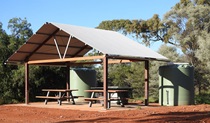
pixel 43 57
pixel 47 49
pixel 47 29
pixel 37 38
pixel 42 46
pixel 110 42
pixel 27 47
pixel 18 57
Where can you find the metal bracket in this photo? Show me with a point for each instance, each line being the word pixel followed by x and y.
pixel 56 44
pixel 64 55
pixel 57 47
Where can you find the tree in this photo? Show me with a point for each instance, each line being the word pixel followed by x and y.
pixel 171 53
pixel 204 68
pixel 4 70
pixel 20 28
pixel 182 26
pixel 188 21
pixel 12 77
pixel 151 30
pixel 129 75
pixel 3 44
pixel 20 32
pixel 203 53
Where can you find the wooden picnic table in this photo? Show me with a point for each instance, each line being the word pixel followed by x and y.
pixel 59 95
pixel 93 97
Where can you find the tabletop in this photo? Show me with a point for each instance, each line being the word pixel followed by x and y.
pixel 60 90
pixel 110 91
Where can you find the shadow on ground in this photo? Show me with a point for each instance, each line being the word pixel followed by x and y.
pixel 161 117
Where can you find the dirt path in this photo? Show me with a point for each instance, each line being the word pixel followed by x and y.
pixel 23 114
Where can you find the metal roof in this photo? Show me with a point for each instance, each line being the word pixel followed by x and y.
pixel 42 45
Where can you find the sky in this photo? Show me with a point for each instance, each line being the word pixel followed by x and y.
pixel 88 13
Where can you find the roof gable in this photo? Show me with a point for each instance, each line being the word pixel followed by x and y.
pixel 42 45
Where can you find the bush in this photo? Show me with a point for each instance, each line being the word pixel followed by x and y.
pixel 203 98
pixel 1 101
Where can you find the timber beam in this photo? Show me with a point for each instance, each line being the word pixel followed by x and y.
pixel 65 60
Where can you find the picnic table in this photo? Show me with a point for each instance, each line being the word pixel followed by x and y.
pixel 94 98
pixel 59 95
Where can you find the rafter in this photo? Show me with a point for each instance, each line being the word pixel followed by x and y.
pixel 27 58
pixel 43 53
pixel 84 47
pixel 53 45
pixel 39 33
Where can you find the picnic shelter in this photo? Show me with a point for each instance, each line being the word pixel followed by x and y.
pixel 64 45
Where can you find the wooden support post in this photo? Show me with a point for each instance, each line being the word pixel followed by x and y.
pixel 105 77
pixel 67 81
pixel 26 83
pixel 146 75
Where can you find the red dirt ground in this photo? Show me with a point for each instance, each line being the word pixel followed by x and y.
pixel 23 114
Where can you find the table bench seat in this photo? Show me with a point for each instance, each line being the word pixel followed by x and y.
pixel 49 97
pixel 53 97
pixel 59 96
pixel 56 97
pixel 78 96
pixel 120 99
pixel 93 99
pixel 99 99
pixel 113 99
pixel 102 99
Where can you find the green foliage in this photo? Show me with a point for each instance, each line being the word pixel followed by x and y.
pixel 187 20
pixel 12 83
pixel 130 75
pixel 5 71
pixel 203 69
pixel 203 53
pixel 190 27
pixel 186 26
pixel 45 77
pixel 20 28
pixel 169 52
pixel 148 30
pixel 117 74
pixel 202 98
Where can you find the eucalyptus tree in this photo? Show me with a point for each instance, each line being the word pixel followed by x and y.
pixel 11 82
pixel 20 32
pixel 203 54
pixel 3 51
pixel 171 53
pixel 182 26
pixel 12 76
pixel 189 21
pixel 148 31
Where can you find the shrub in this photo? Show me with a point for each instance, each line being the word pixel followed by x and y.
pixel 203 98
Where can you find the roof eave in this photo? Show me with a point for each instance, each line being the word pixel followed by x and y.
pixel 137 58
